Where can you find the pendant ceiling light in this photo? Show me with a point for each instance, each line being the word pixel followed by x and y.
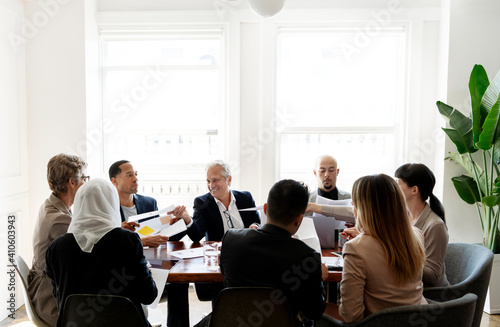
pixel 267 8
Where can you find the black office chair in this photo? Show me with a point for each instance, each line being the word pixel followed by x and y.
pixel 468 269
pixel 95 310
pixel 254 306
pixel 454 313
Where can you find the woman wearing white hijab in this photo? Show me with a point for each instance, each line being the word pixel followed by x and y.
pixel 97 256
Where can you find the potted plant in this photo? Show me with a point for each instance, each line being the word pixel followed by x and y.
pixel 477 139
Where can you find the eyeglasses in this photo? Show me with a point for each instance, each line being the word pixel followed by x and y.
pixel 85 178
pixel 228 218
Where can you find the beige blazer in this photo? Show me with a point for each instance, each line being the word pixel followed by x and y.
pixel 368 284
pixel 53 221
pixel 435 241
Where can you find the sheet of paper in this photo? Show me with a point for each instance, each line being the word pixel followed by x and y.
pixel 260 209
pixel 188 253
pixel 307 234
pixel 342 210
pixel 252 209
pixel 158 225
pixel 333 261
pixel 160 277
pixel 171 230
pixel 162 212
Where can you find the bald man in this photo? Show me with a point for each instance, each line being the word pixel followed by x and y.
pixel 326 172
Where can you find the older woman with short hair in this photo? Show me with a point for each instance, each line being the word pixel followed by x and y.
pixel 65 174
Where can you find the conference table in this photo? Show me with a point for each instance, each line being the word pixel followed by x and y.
pixel 193 270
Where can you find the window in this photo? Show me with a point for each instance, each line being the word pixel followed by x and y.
pixel 163 107
pixel 337 101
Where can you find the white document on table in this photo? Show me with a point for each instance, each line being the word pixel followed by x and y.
pixel 307 234
pixel 333 261
pixel 160 277
pixel 188 253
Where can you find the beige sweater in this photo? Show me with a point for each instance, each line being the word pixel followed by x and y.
pixel 368 284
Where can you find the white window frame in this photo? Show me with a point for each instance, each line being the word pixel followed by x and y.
pixel 120 25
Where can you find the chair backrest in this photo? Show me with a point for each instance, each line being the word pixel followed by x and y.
pixel 468 269
pixel 253 306
pixel 453 313
pixel 85 310
pixel 23 270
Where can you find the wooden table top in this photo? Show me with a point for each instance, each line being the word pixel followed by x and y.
pixel 194 270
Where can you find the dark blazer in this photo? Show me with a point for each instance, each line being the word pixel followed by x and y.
pixel 116 266
pixel 207 220
pixel 143 204
pixel 270 257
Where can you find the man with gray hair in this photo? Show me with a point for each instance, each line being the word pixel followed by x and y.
pixel 218 210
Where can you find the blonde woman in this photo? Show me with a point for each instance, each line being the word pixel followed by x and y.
pixel 383 265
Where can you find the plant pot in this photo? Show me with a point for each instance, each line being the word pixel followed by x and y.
pixel 492 303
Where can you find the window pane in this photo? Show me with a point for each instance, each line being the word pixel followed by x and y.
pixel 357 155
pixel 162 52
pixel 326 81
pixel 163 109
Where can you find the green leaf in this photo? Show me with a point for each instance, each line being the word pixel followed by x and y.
pixel 478 83
pixel 466 188
pixel 473 169
pixel 490 97
pixel 460 132
pixel 489 134
pixel 491 200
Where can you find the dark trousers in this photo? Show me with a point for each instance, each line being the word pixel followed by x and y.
pixel 177 305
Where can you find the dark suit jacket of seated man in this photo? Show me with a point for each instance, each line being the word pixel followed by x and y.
pixel 270 257
pixel 207 220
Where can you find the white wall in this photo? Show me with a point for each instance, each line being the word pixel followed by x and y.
pixel 14 213
pixel 473 39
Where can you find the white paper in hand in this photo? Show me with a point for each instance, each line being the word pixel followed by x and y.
pixel 174 229
pixel 307 234
pixel 342 210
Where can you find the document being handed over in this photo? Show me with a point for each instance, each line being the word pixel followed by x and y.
pixel 158 223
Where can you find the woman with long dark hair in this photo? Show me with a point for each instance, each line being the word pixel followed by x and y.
pixel 417 182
